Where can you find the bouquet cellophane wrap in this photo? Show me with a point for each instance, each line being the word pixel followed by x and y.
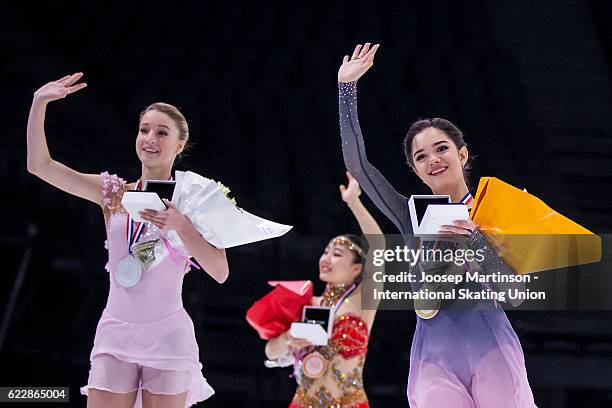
pixel 215 216
pixel 528 234
pixel 273 314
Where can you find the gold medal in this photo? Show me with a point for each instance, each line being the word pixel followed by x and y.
pixel 426 314
pixel 427 309
pixel 314 365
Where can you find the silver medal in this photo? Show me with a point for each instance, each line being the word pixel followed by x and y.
pixel 128 272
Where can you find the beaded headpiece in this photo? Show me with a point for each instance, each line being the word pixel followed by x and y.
pixel 342 240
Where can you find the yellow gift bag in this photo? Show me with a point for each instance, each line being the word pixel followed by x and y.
pixel 529 235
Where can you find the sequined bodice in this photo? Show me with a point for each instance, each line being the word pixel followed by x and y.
pixel 350 336
pixel 342 383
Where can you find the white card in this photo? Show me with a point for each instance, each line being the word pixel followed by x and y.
pixel 429 212
pixel 438 215
pixel 135 201
pixel 312 332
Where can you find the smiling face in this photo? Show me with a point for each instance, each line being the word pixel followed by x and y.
pixel 437 161
pixel 338 264
pixel 158 142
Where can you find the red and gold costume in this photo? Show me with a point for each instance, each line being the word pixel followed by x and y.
pixel 341 384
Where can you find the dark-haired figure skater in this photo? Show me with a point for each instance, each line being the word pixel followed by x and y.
pixel 331 376
pixel 460 357
pixel 145 340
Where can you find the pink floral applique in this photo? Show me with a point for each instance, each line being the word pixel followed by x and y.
pixel 115 183
pixel 105 182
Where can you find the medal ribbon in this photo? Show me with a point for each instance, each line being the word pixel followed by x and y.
pixel 467 198
pixel 339 302
pixel 176 255
pixel 134 231
pixel 315 354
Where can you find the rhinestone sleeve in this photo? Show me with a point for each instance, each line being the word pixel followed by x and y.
pixel 380 191
pixel 493 263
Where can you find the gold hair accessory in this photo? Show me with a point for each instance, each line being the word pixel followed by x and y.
pixel 342 240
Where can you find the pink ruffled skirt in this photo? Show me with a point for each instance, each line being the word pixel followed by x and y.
pixel 160 356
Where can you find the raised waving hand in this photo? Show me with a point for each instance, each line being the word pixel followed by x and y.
pixel 55 90
pixel 351 191
pixel 40 162
pixel 358 64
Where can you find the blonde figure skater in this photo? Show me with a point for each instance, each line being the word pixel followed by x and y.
pixel 145 344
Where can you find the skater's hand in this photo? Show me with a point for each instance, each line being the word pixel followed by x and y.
pixel 59 89
pixel 458 232
pixel 352 191
pixel 295 343
pixel 461 227
pixel 358 64
pixel 169 219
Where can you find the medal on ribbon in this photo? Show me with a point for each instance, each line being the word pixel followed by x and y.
pixel 129 270
pixel 314 365
pixel 426 308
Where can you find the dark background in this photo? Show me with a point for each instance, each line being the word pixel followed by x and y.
pixel 528 81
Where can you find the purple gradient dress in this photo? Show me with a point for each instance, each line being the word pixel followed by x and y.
pixel 462 357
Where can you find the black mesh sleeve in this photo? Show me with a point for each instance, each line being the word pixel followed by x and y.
pixel 381 192
pixel 494 264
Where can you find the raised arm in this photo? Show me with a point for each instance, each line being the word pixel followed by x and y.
pixel 40 162
pixel 380 191
pixel 370 229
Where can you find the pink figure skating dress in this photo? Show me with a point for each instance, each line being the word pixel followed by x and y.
pixel 145 339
